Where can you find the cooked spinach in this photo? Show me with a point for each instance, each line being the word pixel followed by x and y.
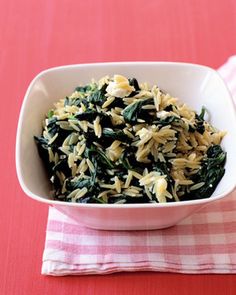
pixel 166 121
pixel 202 114
pixel 90 115
pixel 83 89
pixel 41 141
pixel 128 160
pixel 200 127
pixel 62 165
pixel 50 113
pixel 169 108
pixel 42 147
pixel 80 183
pixel 66 101
pixel 53 128
pixel 199 122
pixel 134 111
pixel 211 172
pixel 133 82
pixel 103 159
pixel 99 156
pixel 124 199
pixel 125 162
pixel 162 168
pixel 98 96
pixel 115 134
pixel 90 198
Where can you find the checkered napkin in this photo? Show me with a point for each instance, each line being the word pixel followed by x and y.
pixel 202 243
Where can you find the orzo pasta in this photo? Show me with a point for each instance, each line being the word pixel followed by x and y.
pixel 118 141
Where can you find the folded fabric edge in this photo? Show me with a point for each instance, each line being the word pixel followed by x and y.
pixel 95 270
pixel 63 269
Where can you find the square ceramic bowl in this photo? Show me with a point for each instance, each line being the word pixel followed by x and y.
pixel 195 85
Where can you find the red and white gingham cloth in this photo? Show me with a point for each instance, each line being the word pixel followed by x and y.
pixel 202 243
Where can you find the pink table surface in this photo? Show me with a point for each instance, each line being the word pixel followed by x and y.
pixel 37 34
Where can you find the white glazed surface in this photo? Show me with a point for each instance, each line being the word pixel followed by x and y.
pixel 195 85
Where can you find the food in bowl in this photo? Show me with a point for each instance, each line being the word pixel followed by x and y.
pixel 121 141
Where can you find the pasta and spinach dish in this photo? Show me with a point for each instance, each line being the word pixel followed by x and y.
pixel 120 141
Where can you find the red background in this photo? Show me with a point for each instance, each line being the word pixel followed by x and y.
pixel 38 34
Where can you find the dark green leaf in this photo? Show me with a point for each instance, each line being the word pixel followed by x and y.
pixel 133 82
pixel 50 113
pixel 90 115
pixel 115 134
pixel 62 165
pixel 125 162
pixel 66 101
pixel 166 121
pixel 42 146
pixel 129 200
pixel 53 128
pixel 83 89
pixel 90 199
pixel 200 127
pixel 72 185
pixel 40 140
pixel 104 160
pixel 132 111
pixel 199 124
pixel 99 156
pixel 98 96
pixel 169 108
pixel 202 114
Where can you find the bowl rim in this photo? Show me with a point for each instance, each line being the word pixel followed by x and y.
pixel 109 206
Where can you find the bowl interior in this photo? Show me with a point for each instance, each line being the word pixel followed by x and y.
pixel 195 85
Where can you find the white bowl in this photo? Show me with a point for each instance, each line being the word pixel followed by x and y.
pixel 194 84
